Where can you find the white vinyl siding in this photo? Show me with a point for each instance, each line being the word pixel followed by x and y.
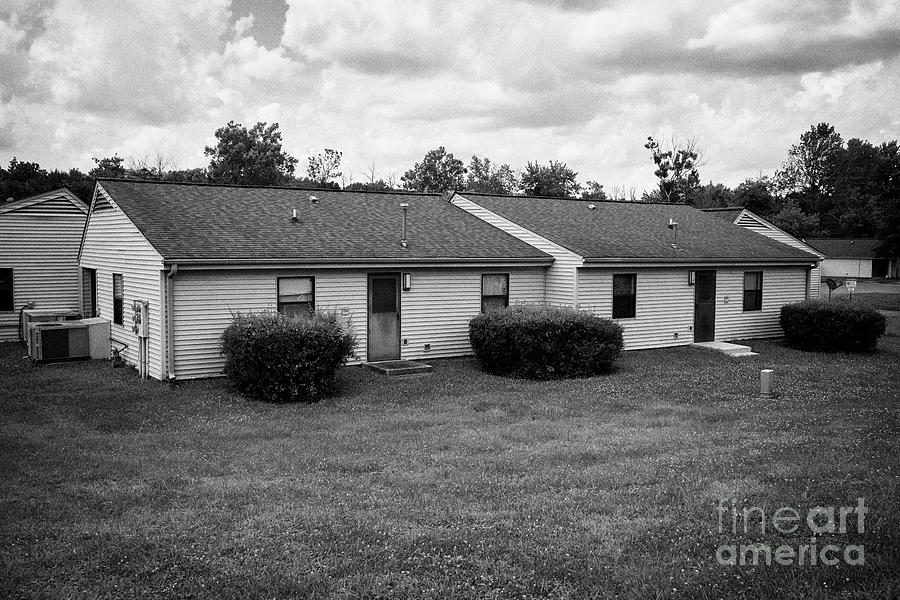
pixel 436 310
pixel 781 285
pixel 205 302
pixel 440 304
pixel 846 267
pixel 112 244
pixel 560 288
pixel 762 227
pixel 40 243
pixel 664 307
pixel 665 303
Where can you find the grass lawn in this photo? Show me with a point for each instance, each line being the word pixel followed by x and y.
pixel 457 484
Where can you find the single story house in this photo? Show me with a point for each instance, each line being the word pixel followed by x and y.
pixel 856 257
pixel 670 274
pixel 753 222
pixel 406 271
pixel 39 238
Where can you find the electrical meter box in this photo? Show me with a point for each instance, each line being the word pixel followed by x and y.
pixel 140 318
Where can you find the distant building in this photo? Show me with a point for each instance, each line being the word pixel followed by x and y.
pixel 853 257
pixel 39 238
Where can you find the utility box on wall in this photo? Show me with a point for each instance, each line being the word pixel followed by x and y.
pixel 140 319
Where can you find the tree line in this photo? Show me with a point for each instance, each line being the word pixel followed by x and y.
pixel 825 187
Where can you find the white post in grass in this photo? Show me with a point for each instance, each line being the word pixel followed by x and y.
pixel 766 383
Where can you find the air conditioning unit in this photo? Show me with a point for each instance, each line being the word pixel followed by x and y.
pixel 32 316
pixel 60 340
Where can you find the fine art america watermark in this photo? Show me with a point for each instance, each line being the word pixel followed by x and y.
pixel 737 521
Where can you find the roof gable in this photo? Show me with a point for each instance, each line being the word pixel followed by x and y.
pixel 637 231
pixel 222 224
pixel 61 198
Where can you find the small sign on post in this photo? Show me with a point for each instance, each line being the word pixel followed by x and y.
pixel 851 287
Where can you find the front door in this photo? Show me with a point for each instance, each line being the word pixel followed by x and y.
pixel 89 292
pixel 704 306
pixel 384 317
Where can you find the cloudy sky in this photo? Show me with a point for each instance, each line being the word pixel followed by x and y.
pixel 384 81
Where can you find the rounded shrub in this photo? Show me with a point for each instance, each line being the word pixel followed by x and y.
pixel 831 326
pixel 545 342
pixel 271 357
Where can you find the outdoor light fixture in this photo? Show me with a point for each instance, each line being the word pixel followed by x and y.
pixel 690 277
pixel 407 282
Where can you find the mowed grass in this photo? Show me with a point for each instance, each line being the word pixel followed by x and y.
pixel 453 485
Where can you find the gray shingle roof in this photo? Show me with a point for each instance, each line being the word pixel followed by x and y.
pixel 846 247
pixel 620 231
pixel 215 223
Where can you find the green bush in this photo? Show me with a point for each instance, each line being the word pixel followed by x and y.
pixel 544 342
pixel 831 326
pixel 272 357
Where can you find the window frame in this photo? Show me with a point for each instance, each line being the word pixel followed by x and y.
pixel 279 305
pixel 492 296
pixel 631 312
pixel 11 294
pixel 756 300
pixel 118 302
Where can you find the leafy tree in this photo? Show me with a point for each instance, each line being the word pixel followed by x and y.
pixel 379 185
pixel 249 156
pixel 711 195
pixel 676 169
pixel 808 163
pixel 594 191
pixel 792 219
pixel 110 166
pixel 439 171
pixel 196 175
pixel 484 176
pixel 755 195
pixel 22 179
pixel 323 167
pixel 554 179
pixel 887 205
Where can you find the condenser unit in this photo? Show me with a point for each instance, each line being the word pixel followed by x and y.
pixel 61 340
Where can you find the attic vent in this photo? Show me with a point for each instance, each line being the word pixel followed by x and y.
pixel 592 207
pixel 313 199
pixel 294 216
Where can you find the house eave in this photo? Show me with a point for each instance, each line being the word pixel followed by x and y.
pixel 700 262
pixel 354 263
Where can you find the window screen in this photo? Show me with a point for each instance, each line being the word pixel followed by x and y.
pixel 296 296
pixel 7 301
pixel 753 290
pixel 624 295
pixel 384 294
pixel 118 297
pixel 494 292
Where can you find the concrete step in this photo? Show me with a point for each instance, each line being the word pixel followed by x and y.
pixel 735 350
pixel 393 368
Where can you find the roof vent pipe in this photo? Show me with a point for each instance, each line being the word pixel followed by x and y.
pixel 404 206
pixel 313 199
pixel 294 216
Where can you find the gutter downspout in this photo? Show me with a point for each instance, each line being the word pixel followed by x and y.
pixel 170 324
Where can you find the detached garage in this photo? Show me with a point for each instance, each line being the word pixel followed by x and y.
pixel 854 257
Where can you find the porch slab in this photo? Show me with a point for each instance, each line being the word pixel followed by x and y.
pixel 726 348
pixel 399 367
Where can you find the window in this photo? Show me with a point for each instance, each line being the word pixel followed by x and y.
pixel 494 292
pixel 753 290
pixel 296 296
pixel 118 298
pixel 7 301
pixel 624 296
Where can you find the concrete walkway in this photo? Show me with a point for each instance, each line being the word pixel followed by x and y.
pixel 726 348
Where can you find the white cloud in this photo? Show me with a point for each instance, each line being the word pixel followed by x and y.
pixel 819 88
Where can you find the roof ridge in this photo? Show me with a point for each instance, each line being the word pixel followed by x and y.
pixel 273 187
pixel 523 196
